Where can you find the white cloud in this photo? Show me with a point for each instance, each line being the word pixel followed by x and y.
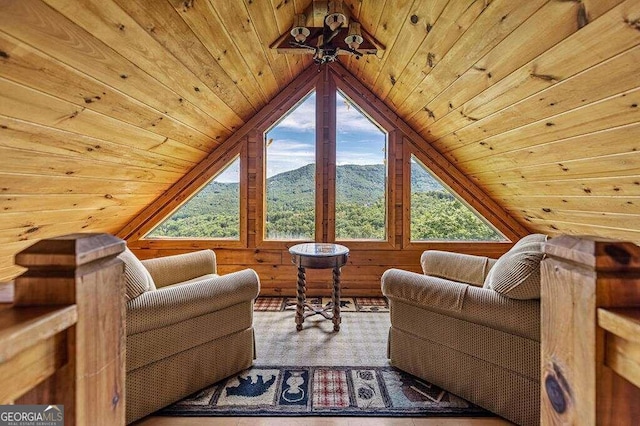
pixel 230 174
pixel 302 118
pixel 279 146
pixel 351 120
pixel 285 154
pixel 362 160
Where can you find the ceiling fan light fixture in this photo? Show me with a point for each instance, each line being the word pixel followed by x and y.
pixel 354 39
pixel 299 31
pixel 300 34
pixel 335 16
pixel 326 31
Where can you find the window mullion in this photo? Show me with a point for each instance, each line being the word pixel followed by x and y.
pixel 325 158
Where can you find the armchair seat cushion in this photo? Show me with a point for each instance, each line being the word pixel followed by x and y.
pixel 466 302
pixel 175 303
pixel 196 280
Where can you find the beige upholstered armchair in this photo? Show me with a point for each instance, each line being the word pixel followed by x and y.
pixel 471 325
pixel 187 327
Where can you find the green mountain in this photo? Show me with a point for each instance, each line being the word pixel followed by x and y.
pixel 355 183
pixel 360 208
pixel 423 181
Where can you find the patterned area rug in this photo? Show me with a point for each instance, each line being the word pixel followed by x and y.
pixel 347 304
pixel 323 391
pixel 318 372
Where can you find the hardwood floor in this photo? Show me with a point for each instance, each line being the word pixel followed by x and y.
pixel 320 421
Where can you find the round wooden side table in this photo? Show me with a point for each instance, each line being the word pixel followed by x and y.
pixel 318 256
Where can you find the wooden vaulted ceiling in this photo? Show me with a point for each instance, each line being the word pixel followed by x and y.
pixel 104 104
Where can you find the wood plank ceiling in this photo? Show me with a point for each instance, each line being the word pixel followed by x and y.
pixel 104 104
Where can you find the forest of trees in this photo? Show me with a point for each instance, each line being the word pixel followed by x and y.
pixel 360 209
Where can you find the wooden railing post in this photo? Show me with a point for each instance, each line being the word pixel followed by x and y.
pixel 581 278
pixel 81 270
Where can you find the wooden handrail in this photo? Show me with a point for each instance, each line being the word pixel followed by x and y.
pixel 590 299
pixel 32 347
pixel 622 341
pixel 20 327
pixel 62 340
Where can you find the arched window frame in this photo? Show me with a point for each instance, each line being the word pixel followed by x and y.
pixel 325 177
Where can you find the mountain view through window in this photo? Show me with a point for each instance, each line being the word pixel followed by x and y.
pixel 438 215
pixel 290 197
pixel 361 174
pixel 214 212
pixel 290 167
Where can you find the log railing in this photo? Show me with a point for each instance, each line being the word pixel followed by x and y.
pixel 63 340
pixel 590 332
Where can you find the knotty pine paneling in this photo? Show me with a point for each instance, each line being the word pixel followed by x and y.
pixel 106 104
pixel 409 36
pixel 608 78
pixel 441 34
pixel 614 111
pixel 541 107
pixel 558 20
pixel 495 23
pixel 392 20
pixel 35 69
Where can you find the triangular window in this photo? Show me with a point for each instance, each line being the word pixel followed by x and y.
pixel 213 212
pixel 437 214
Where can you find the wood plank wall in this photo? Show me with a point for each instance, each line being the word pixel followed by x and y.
pixel 271 259
pixel 106 104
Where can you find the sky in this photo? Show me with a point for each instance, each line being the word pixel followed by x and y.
pixel 359 141
pixel 291 142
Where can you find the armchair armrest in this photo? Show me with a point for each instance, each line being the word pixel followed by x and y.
pixel 465 302
pixel 170 305
pixel 181 267
pixel 464 268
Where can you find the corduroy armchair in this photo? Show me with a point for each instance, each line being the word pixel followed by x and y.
pixel 471 325
pixel 187 327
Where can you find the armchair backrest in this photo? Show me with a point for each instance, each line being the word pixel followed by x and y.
pixel 175 269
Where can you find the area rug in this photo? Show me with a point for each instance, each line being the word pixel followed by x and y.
pixel 318 372
pixel 347 304
pixel 323 391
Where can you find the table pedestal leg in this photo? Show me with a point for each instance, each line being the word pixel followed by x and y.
pixel 336 299
pixel 301 298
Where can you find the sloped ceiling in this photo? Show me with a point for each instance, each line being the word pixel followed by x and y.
pixel 104 104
